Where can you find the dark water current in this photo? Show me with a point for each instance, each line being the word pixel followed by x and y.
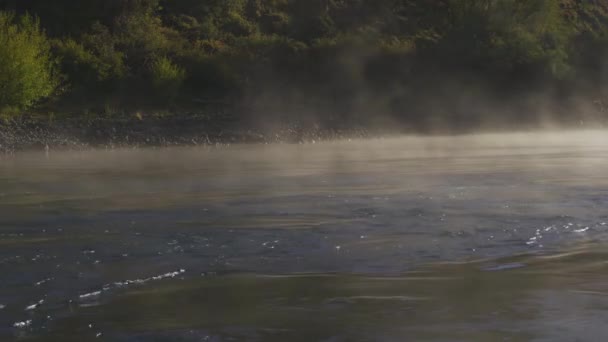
pixel 474 238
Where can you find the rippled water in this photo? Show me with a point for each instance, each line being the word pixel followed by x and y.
pixel 471 238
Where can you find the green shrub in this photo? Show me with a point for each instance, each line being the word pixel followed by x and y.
pixel 238 26
pixel 102 43
pixel 167 78
pixel 139 37
pixel 27 69
pixel 86 68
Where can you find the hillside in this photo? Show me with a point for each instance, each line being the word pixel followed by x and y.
pixel 434 65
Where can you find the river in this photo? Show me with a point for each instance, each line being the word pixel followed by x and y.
pixel 492 237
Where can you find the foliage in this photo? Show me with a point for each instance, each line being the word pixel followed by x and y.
pixel 167 78
pixel 27 69
pixel 333 51
pixel 89 66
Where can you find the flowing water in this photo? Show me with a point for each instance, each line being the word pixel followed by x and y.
pixel 473 238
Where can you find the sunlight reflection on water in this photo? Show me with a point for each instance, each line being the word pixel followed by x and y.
pixel 257 242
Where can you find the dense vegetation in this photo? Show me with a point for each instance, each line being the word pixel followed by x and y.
pixel 436 63
pixel 26 68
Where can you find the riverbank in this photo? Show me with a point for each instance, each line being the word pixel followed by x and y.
pixel 41 131
pixel 37 133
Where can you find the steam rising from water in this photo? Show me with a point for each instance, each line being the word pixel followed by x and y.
pixel 81 227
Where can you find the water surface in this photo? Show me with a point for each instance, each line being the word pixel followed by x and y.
pixel 473 238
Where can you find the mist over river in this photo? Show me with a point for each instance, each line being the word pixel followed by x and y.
pixel 494 237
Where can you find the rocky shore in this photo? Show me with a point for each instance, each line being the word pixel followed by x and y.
pixel 31 133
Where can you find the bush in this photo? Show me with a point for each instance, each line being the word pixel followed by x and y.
pixel 167 78
pixel 27 69
pixel 86 68
pixel 238 26
pixel 140 36
pixel 210 76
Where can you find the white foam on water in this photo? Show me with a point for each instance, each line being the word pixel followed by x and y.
pixel 145 280
pixel 570 228
pixel 121 284
pixel 23 324
pixel 34 306
pixel 43 281
pixel 90 295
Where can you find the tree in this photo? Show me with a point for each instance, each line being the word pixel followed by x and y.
pixel 27 69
